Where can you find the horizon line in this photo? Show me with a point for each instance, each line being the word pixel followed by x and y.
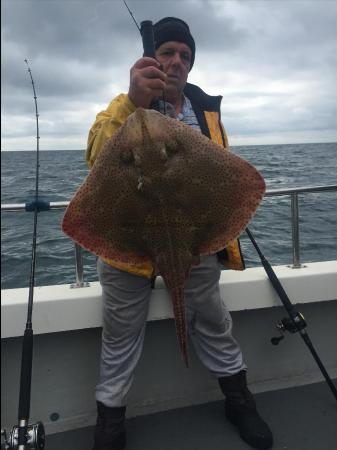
pixel 234 145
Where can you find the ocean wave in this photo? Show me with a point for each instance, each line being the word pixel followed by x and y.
pixel 61 174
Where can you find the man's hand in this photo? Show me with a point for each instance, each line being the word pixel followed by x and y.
pixel 147 82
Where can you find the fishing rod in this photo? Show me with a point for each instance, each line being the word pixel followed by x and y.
pixel 295 323
pixel 146 31
pixel 25 436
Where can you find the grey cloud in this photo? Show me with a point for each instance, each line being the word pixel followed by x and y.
pixel 81 52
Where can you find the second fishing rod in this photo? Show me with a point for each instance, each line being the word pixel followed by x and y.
pixel 295 322
pixel 24 435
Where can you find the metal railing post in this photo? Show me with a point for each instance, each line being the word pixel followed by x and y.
pixel 79 268
pixel 295 231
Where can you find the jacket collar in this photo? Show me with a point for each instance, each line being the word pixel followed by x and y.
pixel 204 101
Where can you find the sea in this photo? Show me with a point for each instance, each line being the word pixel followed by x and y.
pixel 62 172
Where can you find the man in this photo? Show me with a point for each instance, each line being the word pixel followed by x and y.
pixel 127 289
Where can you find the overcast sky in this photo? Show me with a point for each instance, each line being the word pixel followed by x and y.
pixel 274 62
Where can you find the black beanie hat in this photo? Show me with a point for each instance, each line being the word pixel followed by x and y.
pixel 173 29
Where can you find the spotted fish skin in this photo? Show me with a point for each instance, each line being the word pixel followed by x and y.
pixel 174 277
pixel 161 191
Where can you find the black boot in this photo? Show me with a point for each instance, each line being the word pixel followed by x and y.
pixel 110 430
pixel 241 411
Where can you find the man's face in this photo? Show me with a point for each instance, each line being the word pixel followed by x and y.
pixel 175 57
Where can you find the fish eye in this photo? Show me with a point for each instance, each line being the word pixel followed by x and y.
pixel 127 156
pixel 171 148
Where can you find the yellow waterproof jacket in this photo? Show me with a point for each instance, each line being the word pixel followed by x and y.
pixel 207 111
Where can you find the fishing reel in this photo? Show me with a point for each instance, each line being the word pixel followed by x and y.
pixel 292 325
pixel 35 438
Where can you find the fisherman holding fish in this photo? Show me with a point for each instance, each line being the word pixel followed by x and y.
pixel 127 287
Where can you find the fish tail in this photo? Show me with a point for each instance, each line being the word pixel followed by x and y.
pixel 180 321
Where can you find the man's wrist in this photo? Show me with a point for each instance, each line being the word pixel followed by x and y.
pixel 138 101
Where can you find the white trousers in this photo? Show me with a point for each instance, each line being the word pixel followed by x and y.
pixel 125 308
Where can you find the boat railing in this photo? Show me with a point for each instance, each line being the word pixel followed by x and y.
pixel 292 192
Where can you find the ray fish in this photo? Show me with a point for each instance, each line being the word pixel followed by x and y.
pixel 161 191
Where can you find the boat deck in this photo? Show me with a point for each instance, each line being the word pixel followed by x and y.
pixel 303 417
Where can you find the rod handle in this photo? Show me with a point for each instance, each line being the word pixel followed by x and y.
pixel 146 30
pixel 26 375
